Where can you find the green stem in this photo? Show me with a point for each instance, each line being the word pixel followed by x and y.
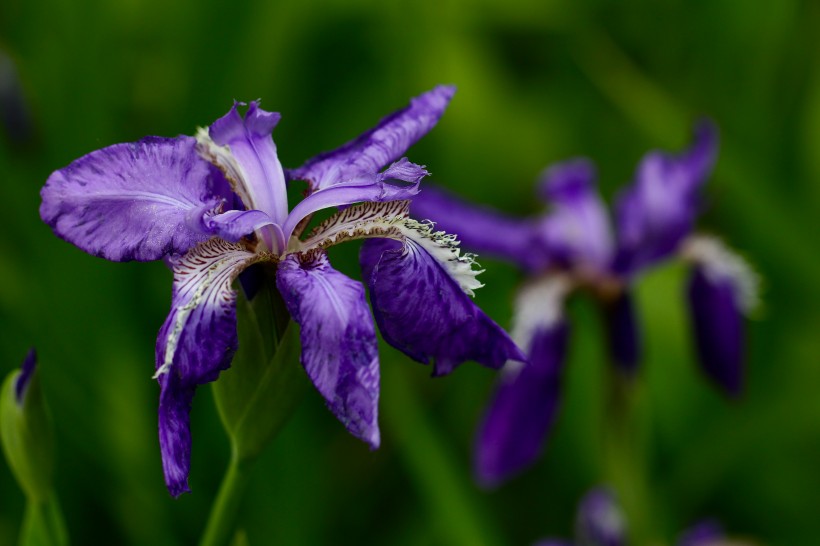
pixel 222 521
pixel 43 524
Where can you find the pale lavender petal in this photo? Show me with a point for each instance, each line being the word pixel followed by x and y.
pixel 235 224
pixel 422 311
pixel 524 406
pixel 482 229
pixel 659 209
pixel 577 231
pixel 251 144
pixel 705 533
pixel 196 342
pixel 135 201
pixel 383 144
pixel 623 332
pixel 600 520
pixel 364 189
pixel 339 348
pixel 26 373
pixel 717 323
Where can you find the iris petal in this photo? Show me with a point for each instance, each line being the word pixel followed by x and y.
pixel 339 348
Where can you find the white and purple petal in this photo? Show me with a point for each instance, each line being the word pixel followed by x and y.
pixel 658 211
pixel 600 521
pixel 577 231
pixel 482 229
pixel 419 290
pixel 524 406
pixel 134 201
pixel 383 144
pixel 339 347
pixel 250 161
pixel 196 342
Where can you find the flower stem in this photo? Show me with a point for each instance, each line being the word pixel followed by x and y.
pixel 222 521
pixel 43 523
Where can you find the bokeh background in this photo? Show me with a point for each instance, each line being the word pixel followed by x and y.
pixel 538 81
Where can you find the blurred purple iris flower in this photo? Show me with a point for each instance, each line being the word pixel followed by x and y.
pixel 573 247
pixel 216 204
pixel 600 522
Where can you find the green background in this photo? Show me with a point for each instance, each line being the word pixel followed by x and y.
pixel 538 81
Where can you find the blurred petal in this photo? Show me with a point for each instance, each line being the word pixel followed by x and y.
pixel 251 161
pixel 623 332
pixel 523 409
pixel 481 229
pixel 339 348
pixel 578 228
pixel 659 209
pixel 383 144
pixel 600 521
pixel 705 533
pixel 419 292
pixel 196 342
pixel 135 201
pixel 26 373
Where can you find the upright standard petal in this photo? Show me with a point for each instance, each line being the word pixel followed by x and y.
pixel 658 210
pixel 196 342
pixel 600 521
pixel 383 144
pixel 523 409
pixel 339 348
pixel 482 229
pixel 250 161
pixel 577 231
pixel 135 201
pixel 419 290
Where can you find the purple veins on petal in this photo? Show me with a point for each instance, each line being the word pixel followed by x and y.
pixel 482 229
pixel 623 332
pixel 425 312
pixel 600 521
pixel 523 410
pixel 196 342
pixel 339 347
pixel 379 146
pixel 134 201
pixel 26 373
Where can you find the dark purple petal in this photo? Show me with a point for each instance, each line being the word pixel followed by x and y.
pixel 659 209
pixel 623 332
pixel 135 201
pixel 251 145
pixel 705 533
pixel 364 189
pixel 600 521
pixel 196 342
pixel 482 229
pixel 717 323
pixel 339 348
pixel 383 144
pixel 26 373
pixel 425 313
pixel 523 409
pixel 577 230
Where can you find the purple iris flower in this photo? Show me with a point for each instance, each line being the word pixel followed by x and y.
pixel 600 522
pixel 214 205
pixel 574 247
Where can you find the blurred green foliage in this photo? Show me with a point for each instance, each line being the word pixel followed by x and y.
pixel 538 81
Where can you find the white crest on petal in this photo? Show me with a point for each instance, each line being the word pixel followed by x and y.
pixel 539 305
pixel 203 276
pixel 720 264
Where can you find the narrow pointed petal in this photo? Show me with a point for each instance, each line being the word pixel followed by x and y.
pixel 655 214
pixel 385 143
pixel 623 333
pixel 339 348
pixel 600 521
pixel 135 201
pixel 522 412
pixel 196 342
pixel 251 158
pixel 419 293
pixel 482 229
pixel 577 230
